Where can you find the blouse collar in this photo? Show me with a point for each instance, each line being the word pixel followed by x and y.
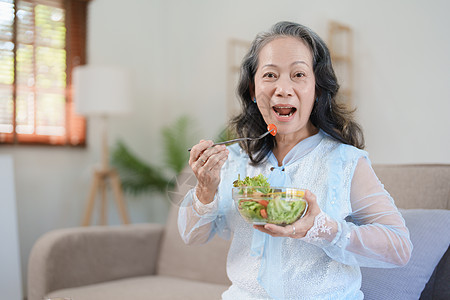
pixel 298 151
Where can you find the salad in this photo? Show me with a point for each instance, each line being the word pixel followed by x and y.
pixel 259 203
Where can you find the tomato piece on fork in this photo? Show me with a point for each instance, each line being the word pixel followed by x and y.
pixel 270 127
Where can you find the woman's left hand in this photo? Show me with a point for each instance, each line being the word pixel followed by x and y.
pixel 300 227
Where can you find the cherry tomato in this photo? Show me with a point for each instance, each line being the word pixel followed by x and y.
pixel 263 202
pixel 263 213
pixel 270 127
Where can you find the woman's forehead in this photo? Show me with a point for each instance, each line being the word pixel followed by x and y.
pixel 285 50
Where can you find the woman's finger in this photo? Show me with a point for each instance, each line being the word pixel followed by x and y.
pixel 263 229
pixel 200 162
pixel 279 230
pixel 208 154
pixel 198 149
pixel 215 157
pixel 197 160
pixel 221 162
pixel 282 231
pixel 212 150
pixel 313 207
pixel 309 196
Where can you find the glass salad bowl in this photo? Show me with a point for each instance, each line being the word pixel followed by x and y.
pixel 260 205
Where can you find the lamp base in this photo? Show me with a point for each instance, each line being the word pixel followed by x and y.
pixel 99 183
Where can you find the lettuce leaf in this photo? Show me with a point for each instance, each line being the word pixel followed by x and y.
pixel 258 180
pixel 284 212
pixel 251 210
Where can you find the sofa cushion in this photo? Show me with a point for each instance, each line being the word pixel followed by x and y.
pixel 431 238
pixel 144 288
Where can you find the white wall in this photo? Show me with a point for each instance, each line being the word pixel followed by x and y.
pixel 177 51
pixel 10 272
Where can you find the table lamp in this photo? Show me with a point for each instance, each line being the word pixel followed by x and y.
pixel 101 92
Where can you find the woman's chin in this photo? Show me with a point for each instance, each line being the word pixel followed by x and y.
pixel 296 129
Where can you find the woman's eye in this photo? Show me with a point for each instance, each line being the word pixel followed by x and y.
pixel 299 74
pixel 269 75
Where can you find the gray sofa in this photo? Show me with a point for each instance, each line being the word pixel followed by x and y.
pixel 149 261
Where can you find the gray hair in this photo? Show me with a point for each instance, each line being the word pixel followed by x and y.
pixel 327 114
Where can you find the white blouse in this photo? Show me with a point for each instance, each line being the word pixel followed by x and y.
pixel 359 225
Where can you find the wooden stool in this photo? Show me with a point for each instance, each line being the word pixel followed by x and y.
pixel 100 183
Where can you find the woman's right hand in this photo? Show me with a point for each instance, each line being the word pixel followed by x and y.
pixel 206 162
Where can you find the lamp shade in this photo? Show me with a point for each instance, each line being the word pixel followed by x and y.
pixel 101 90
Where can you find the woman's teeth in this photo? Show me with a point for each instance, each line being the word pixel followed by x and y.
pixel 288 115
pixel 284 111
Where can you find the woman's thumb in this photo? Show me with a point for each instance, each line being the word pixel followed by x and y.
pixel 310 197
pixel 313 207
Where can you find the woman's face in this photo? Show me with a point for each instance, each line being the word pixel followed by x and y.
pixel 285 87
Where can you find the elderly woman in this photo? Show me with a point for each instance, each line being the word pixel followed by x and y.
pixel 287 79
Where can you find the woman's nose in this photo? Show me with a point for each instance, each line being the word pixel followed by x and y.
pixel 284 88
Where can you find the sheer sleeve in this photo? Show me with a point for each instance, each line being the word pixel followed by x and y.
pixel 195 219
pixel 374 235
pixel 197 222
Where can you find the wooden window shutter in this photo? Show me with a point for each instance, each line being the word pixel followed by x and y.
pixel 48 39
pixel 76 55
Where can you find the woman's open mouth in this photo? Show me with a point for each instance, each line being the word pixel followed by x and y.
pixel 283 112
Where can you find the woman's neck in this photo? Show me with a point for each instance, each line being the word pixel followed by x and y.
pixel 285 142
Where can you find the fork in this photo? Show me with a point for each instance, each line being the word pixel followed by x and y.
pixel 241 139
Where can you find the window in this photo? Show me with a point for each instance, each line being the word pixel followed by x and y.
pixel 41 41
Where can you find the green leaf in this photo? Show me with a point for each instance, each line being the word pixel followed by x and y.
pixel 177 139
pixel 137 176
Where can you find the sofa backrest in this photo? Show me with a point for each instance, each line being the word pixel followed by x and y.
pixel 197 262
pixel 417 186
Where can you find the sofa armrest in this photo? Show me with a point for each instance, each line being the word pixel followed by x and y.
pixel 80 256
